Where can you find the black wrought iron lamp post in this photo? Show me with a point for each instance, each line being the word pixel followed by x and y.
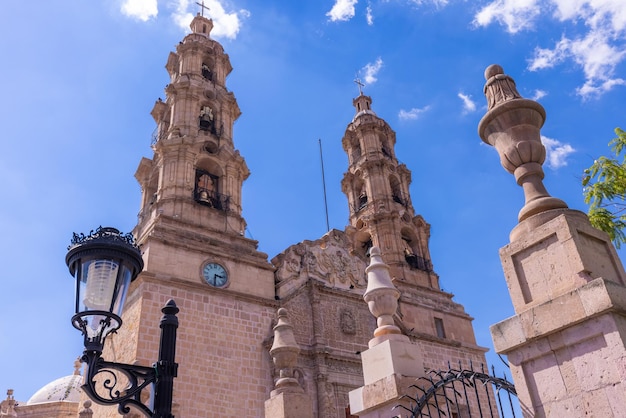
pixel 104 263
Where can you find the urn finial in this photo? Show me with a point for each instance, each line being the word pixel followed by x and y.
pixel 284 353
pixel 382 299
pixel 512 125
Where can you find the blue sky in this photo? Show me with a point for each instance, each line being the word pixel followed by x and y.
pixel 80 79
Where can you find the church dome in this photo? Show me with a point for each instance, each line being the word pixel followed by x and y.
pixel 65 389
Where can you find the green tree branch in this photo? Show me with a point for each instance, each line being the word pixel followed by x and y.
pixel 604 188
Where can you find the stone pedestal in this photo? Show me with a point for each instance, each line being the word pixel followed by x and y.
pixel 289 405
pixel 566 343
pixel 389 368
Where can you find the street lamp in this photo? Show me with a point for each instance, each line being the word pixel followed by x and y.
pixel 104 264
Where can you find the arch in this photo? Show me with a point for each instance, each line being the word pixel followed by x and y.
pixel 206 71
pixel 209 184
pixel 385 148
pixel 396 190
pixel 362 243
pixel 360 192
pixel 413 251
pixel 206 118
pixel 355 149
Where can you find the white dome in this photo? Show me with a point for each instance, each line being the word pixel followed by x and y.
pixel 64 389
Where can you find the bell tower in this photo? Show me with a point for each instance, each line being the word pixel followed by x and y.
pixel 191 188
pixel 377 187
pixel 191 233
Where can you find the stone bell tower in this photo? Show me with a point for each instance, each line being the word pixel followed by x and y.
pixel 381 212
pixel 191 234
pixel 191 188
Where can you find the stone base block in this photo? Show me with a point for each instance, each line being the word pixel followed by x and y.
pixel 392 357
pixel 378 399
pixel 554 253
pixel 289 405
pixel 577 371
pixel 592 299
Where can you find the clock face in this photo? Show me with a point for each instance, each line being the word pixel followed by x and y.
pixel 215 275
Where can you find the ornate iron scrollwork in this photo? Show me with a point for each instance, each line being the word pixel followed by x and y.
pixel 109 383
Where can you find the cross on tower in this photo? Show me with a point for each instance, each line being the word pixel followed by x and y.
pixel 360 84
pixel 202 7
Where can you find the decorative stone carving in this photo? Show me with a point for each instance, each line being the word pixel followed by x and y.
pixel 382 299
pixel 290 267
pixel 512 125
pixel 347 323
pixel 330 400
pixel 499 87
pixel 327 259
pixel 284 353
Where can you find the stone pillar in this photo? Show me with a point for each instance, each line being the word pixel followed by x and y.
pixel 566 342
pixel 86 412
pixel 7 406
pixel 288 399
pixel 392 362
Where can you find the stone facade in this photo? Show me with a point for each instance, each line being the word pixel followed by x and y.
pixel 191 233
pixel 190 219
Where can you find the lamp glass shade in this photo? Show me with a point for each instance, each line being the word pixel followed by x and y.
pixel 103 264
pixel 103 286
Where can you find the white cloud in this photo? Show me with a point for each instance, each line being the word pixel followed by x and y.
pixel 468 104
pixel 539 94
pixel 516 15
pixel 595 13
pixel 368 15
pixel 140 9
pixel 594 90
pixel 371 71
pixel 548 58
pixel 597 51
pixel 413 113
pixel 342 10
pixel 438 3
pixel 593 53
pixel 556 152
pixel 224 24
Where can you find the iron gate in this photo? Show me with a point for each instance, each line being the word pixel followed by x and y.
pixel 462 393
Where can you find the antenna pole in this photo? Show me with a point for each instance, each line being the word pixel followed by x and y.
pixel 324 185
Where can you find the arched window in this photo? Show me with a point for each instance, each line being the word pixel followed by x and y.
pixel 361 200
pixel 206 72
pixel 413 254
pixel 385 149
pixel 396 191
pixel 206 191
pixel 206 119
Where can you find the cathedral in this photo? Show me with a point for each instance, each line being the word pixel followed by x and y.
pixel 191 233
